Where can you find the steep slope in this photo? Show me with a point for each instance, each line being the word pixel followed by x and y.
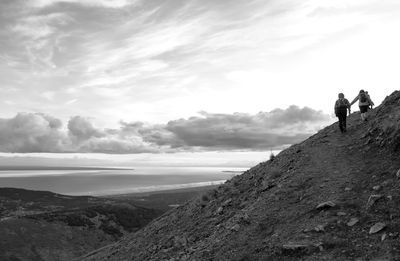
pixel 332 197
pixel 41 225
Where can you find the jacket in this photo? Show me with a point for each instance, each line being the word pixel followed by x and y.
pixel 341 103
pixel 366 103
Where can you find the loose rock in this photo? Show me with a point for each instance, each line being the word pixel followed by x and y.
pixel 296 248
pixel 235 228
pixel 377 227
pixel 324 205
pixel 245 218
pixel 319 228
pixel 227 202
pixel 352 222
pixel 376 188
pixel 372 199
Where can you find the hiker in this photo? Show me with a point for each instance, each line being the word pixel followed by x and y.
pixel 341 107
pixel 370 106
pixel 364 103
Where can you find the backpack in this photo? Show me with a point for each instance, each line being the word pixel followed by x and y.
pixel 342 103
pixel 363 97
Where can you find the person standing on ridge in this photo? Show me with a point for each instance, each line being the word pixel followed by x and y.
pixel 371 106
pixel 341 107
pixel 364 103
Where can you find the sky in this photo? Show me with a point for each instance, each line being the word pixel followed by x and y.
pixel 186 82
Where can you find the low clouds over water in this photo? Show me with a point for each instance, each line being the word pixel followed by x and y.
pixel 36 132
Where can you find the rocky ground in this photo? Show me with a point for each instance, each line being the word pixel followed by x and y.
pixel 332 197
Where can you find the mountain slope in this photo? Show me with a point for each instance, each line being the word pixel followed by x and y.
pixel 41 225
pixel 332 197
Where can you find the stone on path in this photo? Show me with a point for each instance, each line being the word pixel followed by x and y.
pixel 376 187
pixel 352 222
pixel 304 247
pixel 377 227
pixel 235 228
pixel 327 204
pixel 319 228
pixel 372 199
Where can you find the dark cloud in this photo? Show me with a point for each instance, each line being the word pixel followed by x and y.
pixel 82 129
pixel 116 146
pixel 153 134
pixel 264 130
pixel 28 132
pixel 32 132
pixel 242 131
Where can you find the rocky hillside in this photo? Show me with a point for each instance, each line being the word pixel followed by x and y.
pixel 40 225
pixel 332 197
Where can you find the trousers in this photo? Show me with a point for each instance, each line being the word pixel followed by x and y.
pixel 342 115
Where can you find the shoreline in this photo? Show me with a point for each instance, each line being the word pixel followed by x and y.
pixel 156 189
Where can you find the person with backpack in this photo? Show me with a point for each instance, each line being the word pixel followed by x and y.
pixel 371 106
pixel 364 103
pixel 341 107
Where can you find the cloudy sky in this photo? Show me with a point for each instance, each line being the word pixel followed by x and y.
pixel 194 78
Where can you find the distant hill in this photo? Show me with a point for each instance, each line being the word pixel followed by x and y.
pixel 332 197
pixel 41 225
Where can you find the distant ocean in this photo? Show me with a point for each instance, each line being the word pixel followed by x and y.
pixel 115 181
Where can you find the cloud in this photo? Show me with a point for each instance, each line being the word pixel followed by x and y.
pixel 238 131
pixel 40 37
pixel 71 101
pixel 86 138
pixel 120 54
pixel 28 132
pixel 114 145
pixel 40 26
pixel 264 130
pixel 82 129
pixel 36 132
pixel 100 3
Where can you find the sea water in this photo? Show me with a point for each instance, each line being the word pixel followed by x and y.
pixel 116 181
